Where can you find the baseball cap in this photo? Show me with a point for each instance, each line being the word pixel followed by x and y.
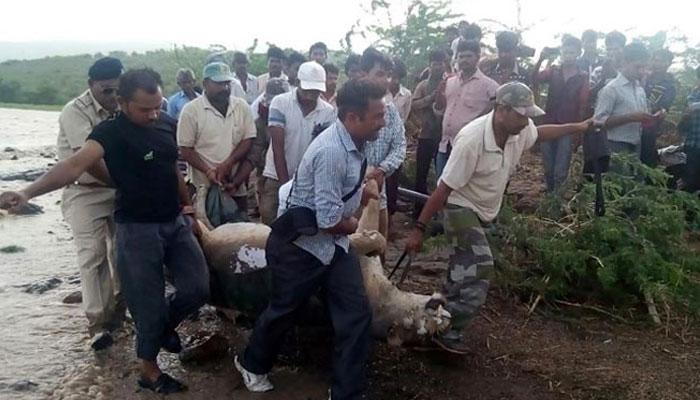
pixel 312 76
pixel 519 97
pixel 217 72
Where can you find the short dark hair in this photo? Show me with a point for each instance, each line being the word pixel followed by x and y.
pixel 132 80
pixel 295 58
pixel 437 56
pixel 469 45
pixel 240 57
pixel 371 57
pixel 353 59
pixel 319 45
pixel 635 52
pixel 355 96
pixel 664 54
pixel 399 68
pixel 588 35
pixel 473 32
pixel 615 37
pixel 105 68
pixel 331 68
pixel 275 52
pixel 507 40
pixel 571 41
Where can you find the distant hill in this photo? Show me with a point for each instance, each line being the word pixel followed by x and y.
pixel 34 50
pixel 57 79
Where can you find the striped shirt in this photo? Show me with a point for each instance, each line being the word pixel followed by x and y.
pixel 329 170
pixel 389 150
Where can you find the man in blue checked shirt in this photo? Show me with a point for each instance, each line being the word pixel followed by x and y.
pixel 327 182
pixel 386 154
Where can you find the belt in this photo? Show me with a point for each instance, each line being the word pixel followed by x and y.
pixel 90 185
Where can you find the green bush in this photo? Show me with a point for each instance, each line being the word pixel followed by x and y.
pixel 639 249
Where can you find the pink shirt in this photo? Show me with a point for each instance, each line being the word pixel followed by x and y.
pixel 466 100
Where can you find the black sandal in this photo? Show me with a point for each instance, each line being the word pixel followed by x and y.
pixel 165 384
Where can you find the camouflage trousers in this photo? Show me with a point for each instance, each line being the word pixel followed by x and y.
pixel 470 265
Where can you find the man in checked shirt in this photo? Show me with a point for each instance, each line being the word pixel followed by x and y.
pixel 327 182
pixel 386 154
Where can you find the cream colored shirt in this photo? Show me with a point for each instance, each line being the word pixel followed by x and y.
pixel 478 170
pixel 402 101
pixel 212 135
pixel 78 118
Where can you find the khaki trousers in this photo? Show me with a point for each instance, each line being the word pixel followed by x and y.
pixel 88 211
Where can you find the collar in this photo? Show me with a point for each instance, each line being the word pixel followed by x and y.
pixel 293 93
pixel 208 105
pixel 476 75
pixel 97 105
pixel 490 137
pixel 344 135
pixel 622 80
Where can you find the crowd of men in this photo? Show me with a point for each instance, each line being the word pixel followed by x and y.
pixel 307 147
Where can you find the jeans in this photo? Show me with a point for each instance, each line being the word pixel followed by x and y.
pixel 556 156
pixel 142 250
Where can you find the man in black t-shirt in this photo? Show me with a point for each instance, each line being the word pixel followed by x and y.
pixel 154 218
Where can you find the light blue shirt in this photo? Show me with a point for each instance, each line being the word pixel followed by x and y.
pixel 329 170
pixel 177 102
pixel 622 96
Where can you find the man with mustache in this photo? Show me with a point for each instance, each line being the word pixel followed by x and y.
pixel 153 216
pixel 485 154
pixel 215 133
pixel 295 118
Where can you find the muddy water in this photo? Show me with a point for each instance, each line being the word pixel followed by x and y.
pixel 40 337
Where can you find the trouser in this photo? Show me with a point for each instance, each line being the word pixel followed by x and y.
pixel 649 155
pixel 441 161
pixel 296 275
pixel 88 211
pixel 691 177
pixel 142 250
pixel 425 154
pixel 623 147
pixel 556 157
pixel 470 265
pixel 268 190
pixel 392 190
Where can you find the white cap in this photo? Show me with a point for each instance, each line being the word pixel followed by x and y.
pixel 312 76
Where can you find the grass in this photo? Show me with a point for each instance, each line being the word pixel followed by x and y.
pixel 40 107
pixel 11 249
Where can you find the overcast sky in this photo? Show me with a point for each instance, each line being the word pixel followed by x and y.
pixel 298 23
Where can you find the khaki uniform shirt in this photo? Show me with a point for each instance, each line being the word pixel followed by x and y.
pixel 78 118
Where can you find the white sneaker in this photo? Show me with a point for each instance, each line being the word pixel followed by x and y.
pixel 254 382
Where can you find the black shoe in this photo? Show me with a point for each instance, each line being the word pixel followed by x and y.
pixel 171 342
pixel 165 384
pixel 101 341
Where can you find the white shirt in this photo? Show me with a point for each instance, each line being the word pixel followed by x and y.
pixel 285 113
pixel 402 101
pixel 212 135
pixel 252 90
pixel 478 170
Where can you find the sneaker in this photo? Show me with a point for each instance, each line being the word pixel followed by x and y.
pixel 101 341
pixel 254 382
